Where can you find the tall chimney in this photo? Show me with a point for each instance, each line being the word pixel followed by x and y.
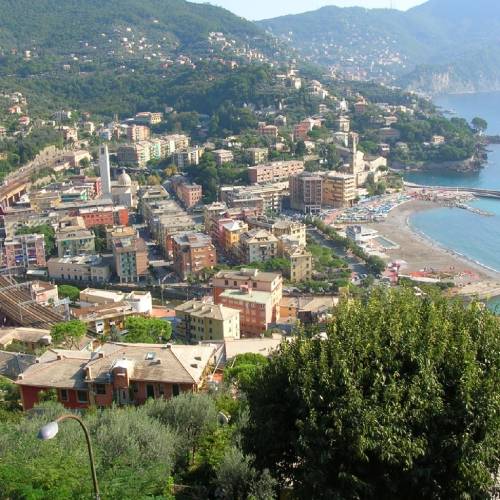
pixel 105 170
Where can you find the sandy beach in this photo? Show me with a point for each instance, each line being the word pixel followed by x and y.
pixel 422 253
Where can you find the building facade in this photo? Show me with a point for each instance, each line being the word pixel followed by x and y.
pixel 306 192
pixel 192 252
pixel 201 321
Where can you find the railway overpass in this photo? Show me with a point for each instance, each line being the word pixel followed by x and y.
pixel 479 192
pixel 12 192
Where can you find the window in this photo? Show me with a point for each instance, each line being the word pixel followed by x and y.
pixel 63 394
pixel 100 389
pixel 176 390
pixel 82 396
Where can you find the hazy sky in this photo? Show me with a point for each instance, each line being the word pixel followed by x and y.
pixel 264 9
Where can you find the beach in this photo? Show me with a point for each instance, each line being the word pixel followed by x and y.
pixel 420 253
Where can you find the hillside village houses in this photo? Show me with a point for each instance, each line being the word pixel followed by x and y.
pixel 131 226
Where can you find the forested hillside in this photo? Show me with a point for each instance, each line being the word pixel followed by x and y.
pixel 416 44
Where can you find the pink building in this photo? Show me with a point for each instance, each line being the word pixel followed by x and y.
pixel 253 279
pixel 189 194
pixel 256 309
pixel 23 251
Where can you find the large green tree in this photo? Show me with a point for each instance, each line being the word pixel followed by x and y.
pixel 401 401
pixel 147 330
pixel 69 333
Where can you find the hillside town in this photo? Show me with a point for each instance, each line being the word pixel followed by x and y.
pixel 223 240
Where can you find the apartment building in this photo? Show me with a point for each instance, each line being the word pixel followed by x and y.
pixel 254 279
pixel 135 155
pixel 72 241
pixel 280 227
pixel 104 216
pixel 255 307
pixel 260 197
pixel 137 133
pixel 342 124
pixel 306 192
pixel 89 268
pixel 167 226
pixel 257 155
pixel 275 171
pixel 202 321
pixel 231 232
pixel 188 157
pixel 258 245
pixel 131 259
pixel 148 118
pixel 192 252
pixel 301 263
pixel 339 190
pixel 223 156
pixel 189 194
pixel 24 251
pixel 270 131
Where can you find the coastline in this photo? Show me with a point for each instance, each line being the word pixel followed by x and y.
pixel 421 252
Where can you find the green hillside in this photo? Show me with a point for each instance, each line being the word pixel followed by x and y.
pixel 388 44
pixel 57 26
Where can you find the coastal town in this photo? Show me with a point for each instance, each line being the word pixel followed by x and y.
pixel 120 224
pixel 242 245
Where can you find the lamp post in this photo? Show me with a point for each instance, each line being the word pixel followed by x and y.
pixel 50 430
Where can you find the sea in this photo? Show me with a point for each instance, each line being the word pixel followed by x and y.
pixel 475 236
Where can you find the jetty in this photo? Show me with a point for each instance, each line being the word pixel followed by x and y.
pixel 474 210
pixel 479 193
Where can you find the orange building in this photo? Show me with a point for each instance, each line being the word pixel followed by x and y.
pixel 104 216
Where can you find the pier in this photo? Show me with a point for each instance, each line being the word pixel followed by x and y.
pixel 480 193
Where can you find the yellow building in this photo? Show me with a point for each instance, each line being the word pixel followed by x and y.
pixel 301 265
pixel 231 233
pixel 339 190
pixel 200 320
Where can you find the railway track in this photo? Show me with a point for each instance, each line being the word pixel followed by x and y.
pixel 17 303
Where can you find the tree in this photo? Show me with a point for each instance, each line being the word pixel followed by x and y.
pixel 192 415
pixel 84 163
pixel 68 291
pixel 479 124
pixel 69 332
pixel 101 242
pixel 243 368
pixel 237 479
pixel 147 330
pixel 135 455
pixel 153 180
pixel 9 395
pixel 401 401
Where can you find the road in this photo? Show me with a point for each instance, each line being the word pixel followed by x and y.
pixel 355 264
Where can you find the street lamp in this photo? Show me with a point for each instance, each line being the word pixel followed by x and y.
pixel 50 430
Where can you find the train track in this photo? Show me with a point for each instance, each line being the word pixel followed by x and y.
pixel 17 303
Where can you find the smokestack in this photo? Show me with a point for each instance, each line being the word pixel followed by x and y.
pixel 105 170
